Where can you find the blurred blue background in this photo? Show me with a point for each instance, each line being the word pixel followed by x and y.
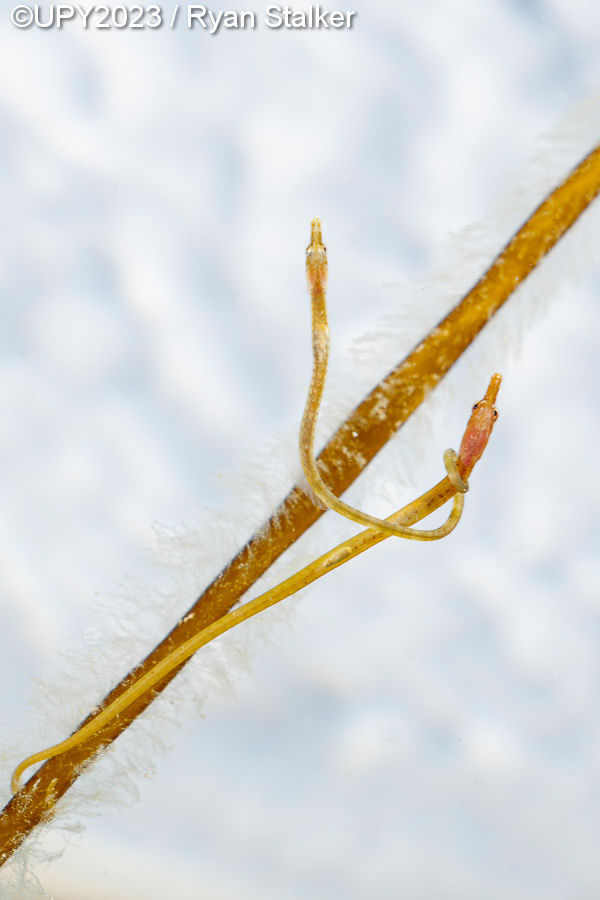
pixel 424 722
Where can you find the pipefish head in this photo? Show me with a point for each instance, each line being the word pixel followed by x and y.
pixel 479 427
pixel 316 258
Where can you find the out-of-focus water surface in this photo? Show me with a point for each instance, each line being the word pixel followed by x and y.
pixel 425 723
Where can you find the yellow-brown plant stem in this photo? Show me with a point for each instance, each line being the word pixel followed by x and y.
pixel 353 445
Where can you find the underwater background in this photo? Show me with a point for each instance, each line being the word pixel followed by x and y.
pixel 422 723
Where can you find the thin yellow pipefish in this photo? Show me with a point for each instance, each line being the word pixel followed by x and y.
pixel 476 436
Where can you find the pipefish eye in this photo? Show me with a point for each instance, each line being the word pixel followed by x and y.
pixel 495 413
pixel 475 406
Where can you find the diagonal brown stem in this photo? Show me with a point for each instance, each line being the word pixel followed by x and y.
pixel 354 444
